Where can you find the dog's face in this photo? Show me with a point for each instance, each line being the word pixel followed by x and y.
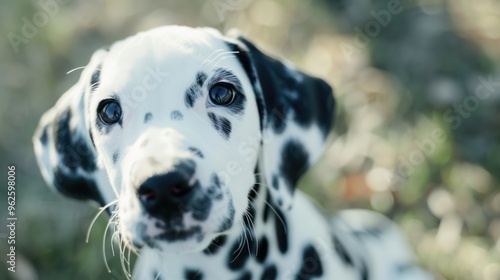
pixel 171 126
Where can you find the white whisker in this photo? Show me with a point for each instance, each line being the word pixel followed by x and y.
pixel 74 69
pixel 102 209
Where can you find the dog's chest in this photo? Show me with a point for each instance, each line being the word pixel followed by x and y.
pixel 274 245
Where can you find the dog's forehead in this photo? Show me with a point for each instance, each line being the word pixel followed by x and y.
pixel 169 52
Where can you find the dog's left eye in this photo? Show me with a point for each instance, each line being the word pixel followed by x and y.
pixel 109 111
pixel 221 94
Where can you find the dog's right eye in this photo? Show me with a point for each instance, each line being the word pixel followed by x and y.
pixel 109 111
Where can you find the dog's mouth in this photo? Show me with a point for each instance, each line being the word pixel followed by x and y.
pixel 187 227
pixel 192 234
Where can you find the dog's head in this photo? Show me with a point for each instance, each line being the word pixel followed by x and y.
pixel 173 124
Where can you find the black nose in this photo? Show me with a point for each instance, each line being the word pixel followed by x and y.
pixel 165 192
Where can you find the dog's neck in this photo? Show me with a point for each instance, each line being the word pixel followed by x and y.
pixel 249 240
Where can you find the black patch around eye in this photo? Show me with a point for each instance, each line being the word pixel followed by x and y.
pixel 95 79
pixel 221 124
pixel 280 224
pixel 270 273
pixel 216 244
pixel 342 252
pixel 193 275
pixel 147 117
pixel 115 156
pixel 176 115
pixel 72 148
pixel 237 106
pixel 294 162
pixel 311 264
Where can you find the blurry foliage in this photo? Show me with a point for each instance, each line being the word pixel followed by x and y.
pixel 394 94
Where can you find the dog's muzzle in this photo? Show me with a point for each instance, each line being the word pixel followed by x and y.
pixel 162 173
pixel 165 194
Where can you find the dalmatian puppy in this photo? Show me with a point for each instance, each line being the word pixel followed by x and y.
pixel 193 142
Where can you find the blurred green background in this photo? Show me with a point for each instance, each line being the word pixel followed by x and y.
pixel 416 137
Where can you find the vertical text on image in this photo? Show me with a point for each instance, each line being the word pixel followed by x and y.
pixel 11 218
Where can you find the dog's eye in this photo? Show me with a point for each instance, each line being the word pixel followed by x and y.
pixel 221 94
pixel 109 111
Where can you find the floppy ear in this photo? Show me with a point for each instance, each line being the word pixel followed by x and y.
pixel 63 143
pixel 296 113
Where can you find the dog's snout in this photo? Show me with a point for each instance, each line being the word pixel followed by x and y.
pixel 159 193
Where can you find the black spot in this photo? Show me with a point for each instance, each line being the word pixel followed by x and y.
pixel 196 151
pixel 190 97
pixel 311 264
pixel 342 252
pixel 238 255
pixel 147 117
pixel 280 224
pixel 200 204
pixel 364 271
pixel 193 275
pixel 294 162
pixel 176 115
pixel 270 273
pixel 266 206
pixel 76 186
pixel 72 149
pixel 275 182
pixel 263 250
pixel 194 91
pixel 221 124
pixel 249 216
pixel 216 244
pixel 200 78
pixel 95 79
pixel 115 156
pixel 44 137
pixel 214 191
pixel 247 275
pixel 228 222
pixel 253 192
